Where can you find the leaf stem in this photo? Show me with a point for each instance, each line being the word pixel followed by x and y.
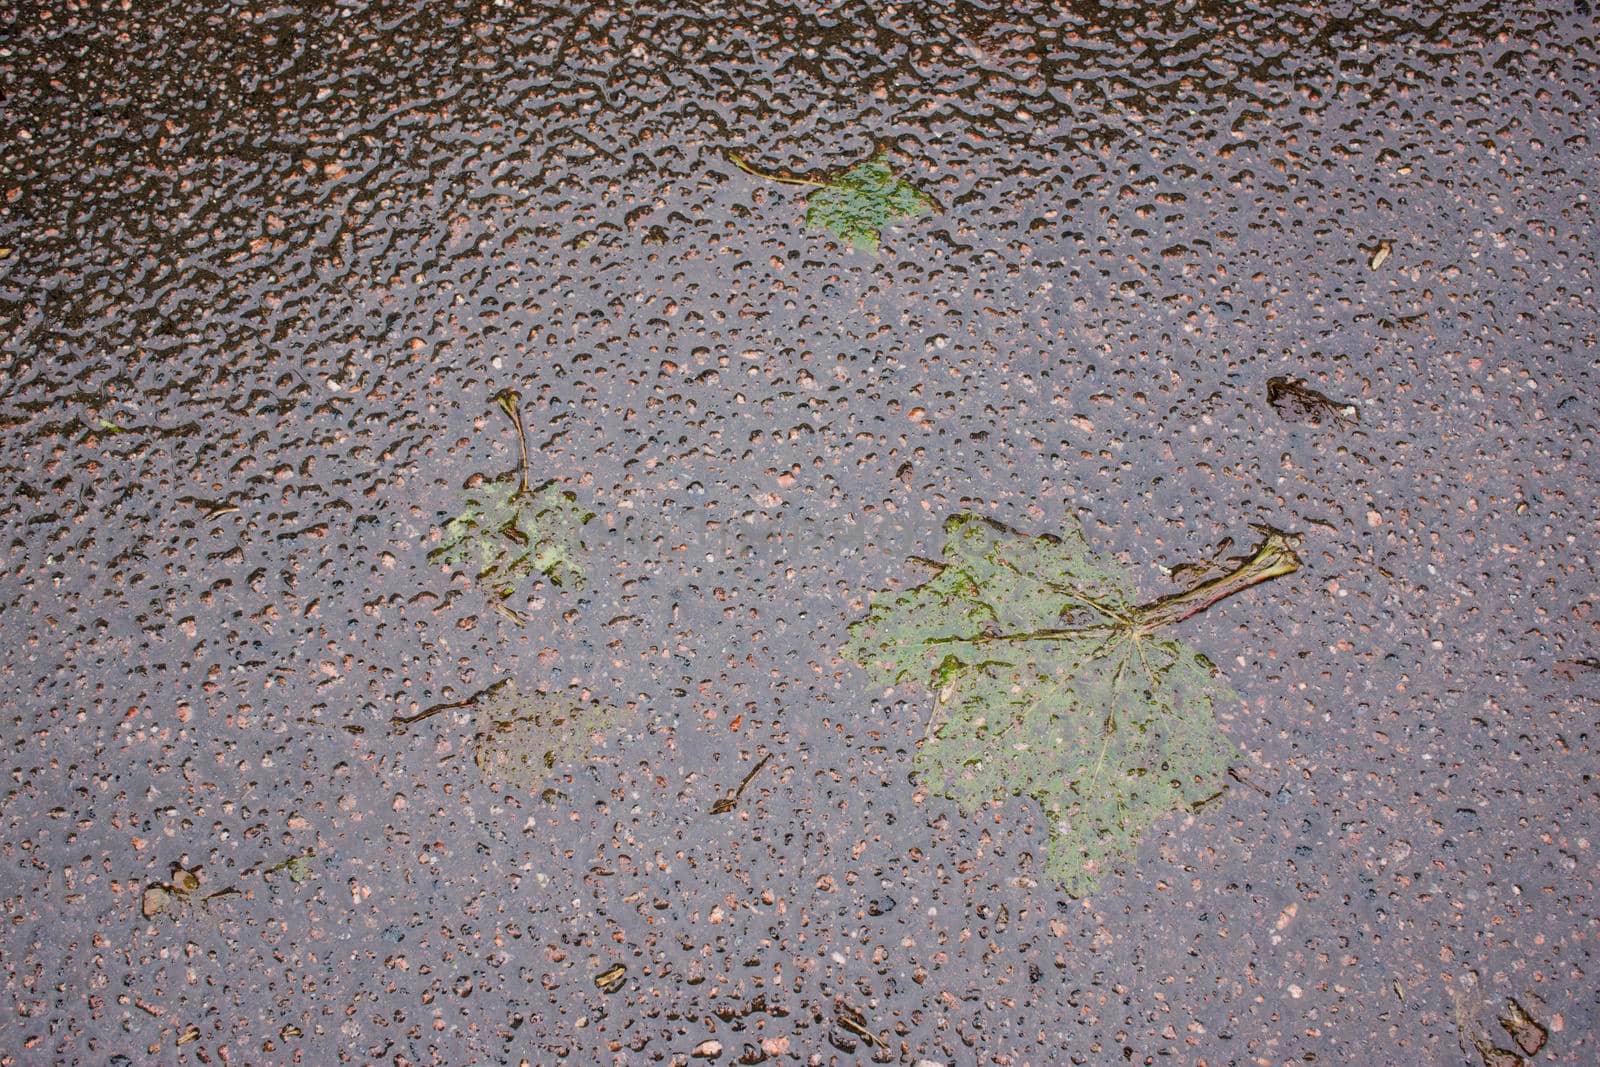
pixel 739 161
pixel 510 402
pixel 1273 558
pixel 1057 633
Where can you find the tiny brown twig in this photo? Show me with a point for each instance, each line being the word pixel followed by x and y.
pixel 1242 780
pixel 404 721
pixel 726 803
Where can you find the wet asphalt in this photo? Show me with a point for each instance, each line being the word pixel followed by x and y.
pixel 263 272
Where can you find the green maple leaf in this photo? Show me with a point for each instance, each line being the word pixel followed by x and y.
pixel 1052 682
pixel 857 204
pixel 505 534
pixel 522 740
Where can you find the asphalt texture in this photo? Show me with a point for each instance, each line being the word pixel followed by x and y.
pixel 263 272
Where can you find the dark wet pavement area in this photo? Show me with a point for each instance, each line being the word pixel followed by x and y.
pixel 264 272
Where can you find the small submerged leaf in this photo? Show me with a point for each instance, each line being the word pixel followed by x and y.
pixel 522 740
pixel 298 868
pixel 506 534
pixel 508 530
pixel 1051 682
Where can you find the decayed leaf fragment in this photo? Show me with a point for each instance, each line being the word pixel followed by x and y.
pixel 1524 1029
pixel 612 978
pixel 1296 401
pixel 297 867
pixel 1052 682
pixel 156 899
pixel 1493 1056
pixel 164 896
pixel 856 204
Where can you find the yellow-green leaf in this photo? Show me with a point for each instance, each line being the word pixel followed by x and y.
pixel 1051 682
